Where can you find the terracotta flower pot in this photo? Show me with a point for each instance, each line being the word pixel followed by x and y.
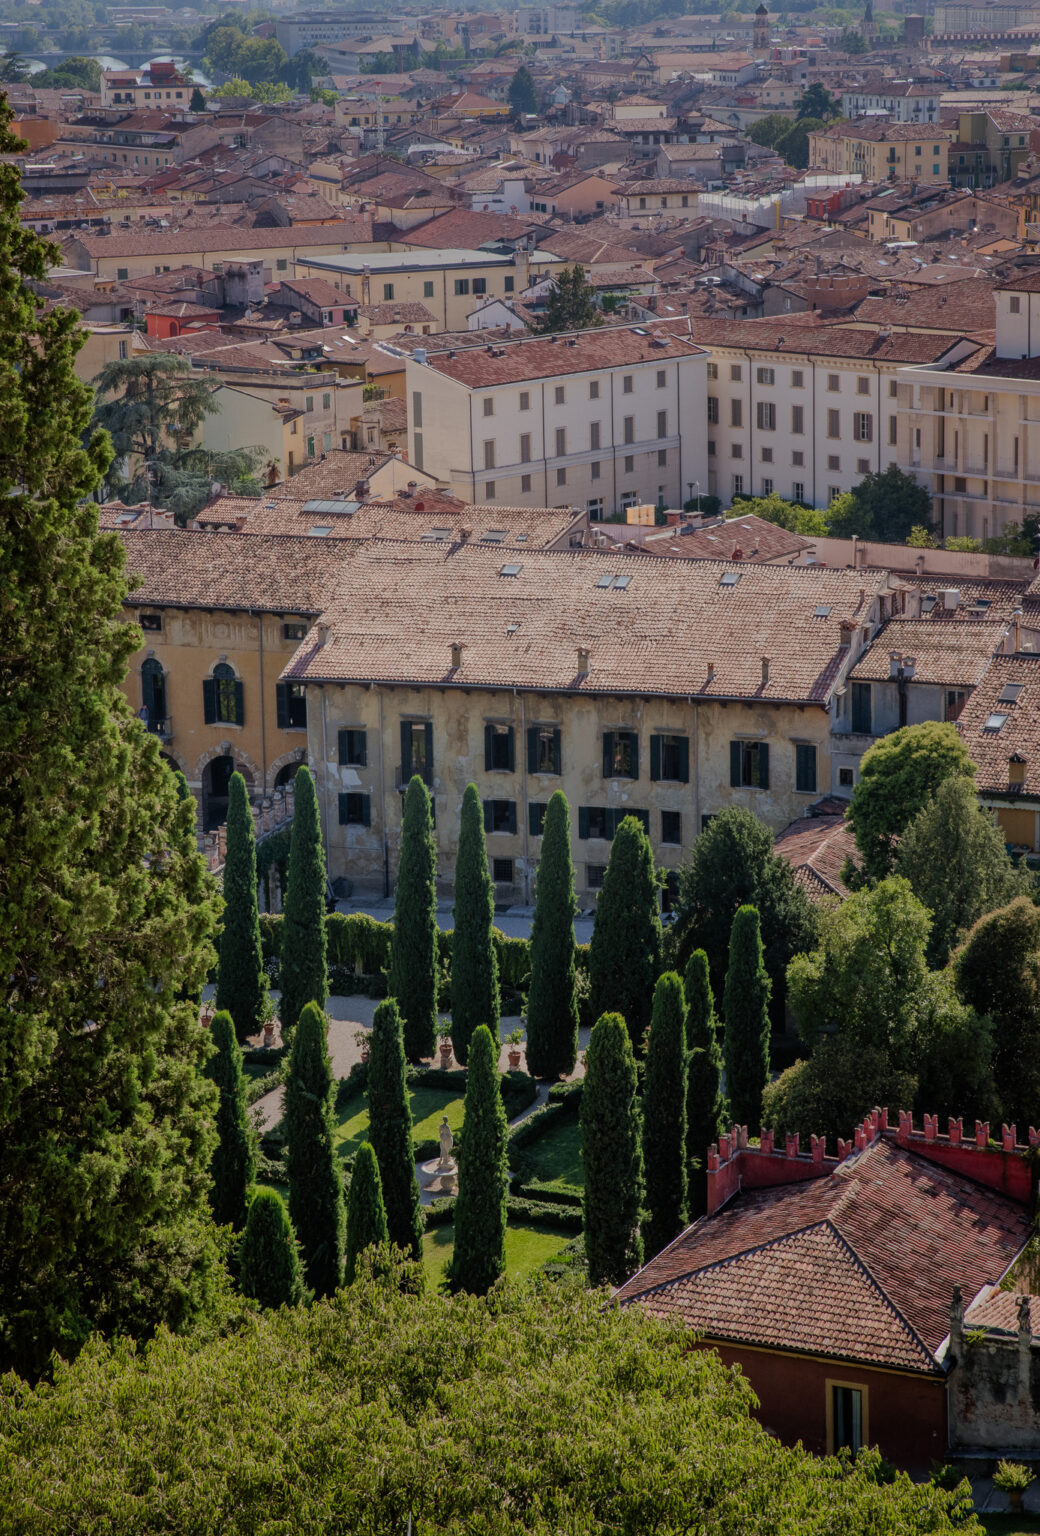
pixel 513 1057
pixel 445 1055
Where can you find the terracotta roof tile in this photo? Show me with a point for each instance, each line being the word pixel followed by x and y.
pixel 816 848
pixel 952 654
pixel 579 352
pixel 183 569
pixel 995 730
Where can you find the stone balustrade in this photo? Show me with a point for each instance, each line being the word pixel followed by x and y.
pixel 270 814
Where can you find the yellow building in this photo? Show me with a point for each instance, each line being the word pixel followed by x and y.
pixel 882 151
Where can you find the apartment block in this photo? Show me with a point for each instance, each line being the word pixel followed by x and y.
pixel 882 151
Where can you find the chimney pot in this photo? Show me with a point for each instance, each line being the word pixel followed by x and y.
pixel 711 671
pixel 583 661
pixel 765 669
pixel 456 656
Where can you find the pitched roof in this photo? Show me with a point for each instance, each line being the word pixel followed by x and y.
pixel 859 1264
pixel 995 730
pixel 220 237
pixel 953 654
pixel 404 519
pixel 781 335
pixel 746 538
pixel 522 621
pixel 544 358
pixel 816 847
pixel 184 569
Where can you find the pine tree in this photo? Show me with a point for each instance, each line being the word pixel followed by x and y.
pixel 241 981
pixel 303 972
pixel 268 1257
pixel 552 1004
pixel 413 959
pixel 366 1214
pixel 390 1129
pixel 745 1006
pixel 624 956
pixel 106 1118
pixel 664 1115
pixel 612 1154
pixel 234 1158
pixel 570 305
pixel 474 964
pixel 480 1207
pixel 522 96
pixel 315 1188
pixel 705 1109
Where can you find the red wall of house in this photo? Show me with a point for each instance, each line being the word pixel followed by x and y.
pixel 906 1414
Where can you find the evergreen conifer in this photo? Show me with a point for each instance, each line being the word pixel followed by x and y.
pixel 241 981
pixel 625 953
pixel 480 1208
pixel 390 1129
pixel 413 958
pixel 664 1115
pixel 745 1006
pixel 315 1187
pixel 366 1214
pixel 304 978
pixel 552 1005
pixel 474 964
pixel 612 1154
pixel 268 1256
pixel 106 1117
pixel 234 1157
pixel 705 1108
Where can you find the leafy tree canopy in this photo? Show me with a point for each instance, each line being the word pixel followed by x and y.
pixel 817 101
pixel 899 775
pixel 794 144
pixel 768 129
pixel 785 514
pixel 884 506
pixel 571 303
pixel 522 96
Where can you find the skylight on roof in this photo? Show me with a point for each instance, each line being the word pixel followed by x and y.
pixel 929 602
pixel 494 536
pixel 510 570
pixel 822 612
pixel 1010 692
pixel 319 531
pixel 982 603
pixel 605 581
pixel 730 579
pixel 437 533
pixel 521 538
pixel 994 722
pixel 621 582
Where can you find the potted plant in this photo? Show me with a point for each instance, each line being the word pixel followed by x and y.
pixel 1012 1478
pixel 363 1041
pixel 514 1040
pixel 444 1036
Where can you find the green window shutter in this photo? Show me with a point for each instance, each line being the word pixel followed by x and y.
pixel 684 759
pixel 734 764
pixel 583 821
pixel 488 734
pixel 608 754
pixel 209 701
pixel 362 750
pixel 635 754
pixel 366 810
pixel 281 699
pixel 406 750
pixel 343 810
pixel 487 815
pixel 763 765
pixel 512 816
pixel 512 751
pixel 536 817
pixel 342 740
pixel 532 750
pixel 655 759
pixel 557 751
pixel 428 732
pixel 240 717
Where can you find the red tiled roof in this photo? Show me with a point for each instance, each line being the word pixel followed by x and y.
pixel 1017 735
pixel 545 358
pixel 861 1262
pixel 816 848
pixel 952 654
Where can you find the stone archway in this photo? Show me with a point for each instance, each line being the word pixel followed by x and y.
pixel 214 770
pixel 283 769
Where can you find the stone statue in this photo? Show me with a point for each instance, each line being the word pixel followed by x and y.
pixel 447 1141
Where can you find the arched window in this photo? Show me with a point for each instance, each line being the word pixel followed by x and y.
pixel 153 695
pixel 222 697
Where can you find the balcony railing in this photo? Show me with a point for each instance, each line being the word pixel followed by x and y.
pixel 161 727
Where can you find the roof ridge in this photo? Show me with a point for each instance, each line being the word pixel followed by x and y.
pixel 875 1282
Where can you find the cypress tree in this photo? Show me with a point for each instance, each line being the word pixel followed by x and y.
pixel 315 1188
pixel 625 953
pixel 106 1117
pixel 474 964
pixel 552 1004
pixel 390 1130
pixel 664 1115
pixel 183 792
pixel 234 1158
pixel 745 1007
pixel 611 1153
pixel 241 981
pixel 413 958
pixel 366 1214
pixel 480 1208
pixel 303 972
pixel 268 1257
pixel 705 1109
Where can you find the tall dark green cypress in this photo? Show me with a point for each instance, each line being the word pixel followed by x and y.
pixel 705 1107
pixel 480 1207
pixel 474 963
pixel 390 1129
pixel 552 1004
pixel 233 1168
pixel 269 1267
pixel 304 946
pixel 413 958
pixel 315 1187
pixel 612 1154
pixel 625 953
pixel 241 981
pixel 366 1214
pixel 664 1115
pixel 745 1006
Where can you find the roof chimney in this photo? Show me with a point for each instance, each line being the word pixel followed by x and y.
pixel 765 669
pixel 456 656
pixel 321 632
pixel 711 671
pixel 583 661
pixel 895 661
pixel 909 666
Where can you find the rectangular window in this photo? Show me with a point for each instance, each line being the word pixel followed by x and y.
pixel 152 622
pixel 326 401
pixel 629 426
pixel 797 420
pixel 461 286
pixel 594 470
pixel 805 768
pixel 662 462
pixel 748 765
pixel 500 816
pixel 417 409
pixel 662 423
pixel 833 382
pixel 559 394
pixel 594 389
pixel 736 451
pixel 543 749
pixel 290 706
pixel 626 384
pixel 767 487
pixel 847 1419
pixel 798 491
pixel 355 810
pixel 662 378
pixel 502 871
pixel 863 386
pixel 509 283
pixel 525 482
pixel 620 755
pixel 595 874
pixel 594 507
pixel 954 702
pixel 767 455
pixel 388 290
pixel 735 372
pixel 765 376
pixel 833 423
pixel 561 442
pixel 738 485
pixel 713 370
pixel 525 448
pixel 713 410
pixel 122 273
pixel 417 750
pixel 861 720
pixel 282 264
pixel 489 406
pixel 536 810
pixel 863 427
pixel 594 435
pixel 499 748
pixel 863 466
pixel 427 290
pixel 561 477
pixel 671 826
pixel 630 465
pixel 1015 304
pixel 480 285
pixel 489 490
pixel 353 748
pixel 489 453
pixel 670 758
pixel 766 413
pixel 736 413
pixel 893 430
pixel 797 379
pixel 525 400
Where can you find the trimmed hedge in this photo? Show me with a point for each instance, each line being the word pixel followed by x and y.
pixel 550 1194
pixel 563 1105
pixel 560 1218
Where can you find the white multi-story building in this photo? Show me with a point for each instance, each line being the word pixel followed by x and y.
pixel 903 101
pixel 600 419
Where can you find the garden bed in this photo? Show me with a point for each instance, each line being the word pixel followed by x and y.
pixel 529 1245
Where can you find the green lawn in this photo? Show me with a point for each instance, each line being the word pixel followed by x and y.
pixel 528 1246
pixel 428 1106
pixel 556 1157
